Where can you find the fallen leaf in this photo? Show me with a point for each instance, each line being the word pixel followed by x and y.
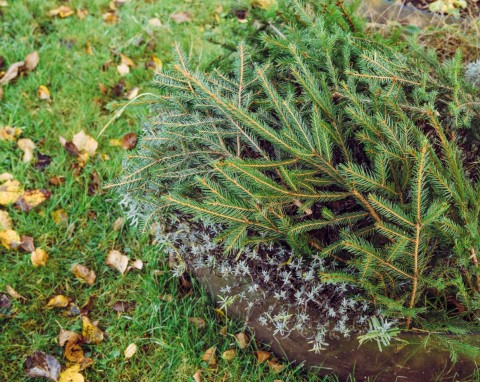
pixel 43 161
pixel 116 260
pixel 31 199
pixel 155 63
pixel 123 306
pixel 74 352
pixel 5 305
pixel 57 180
pixel 8 133
pixel 32 60
pixel 60 217
pixel 72 374
pixel 198 322
pixel 13 293
pixel 126 60
pixel 223 331
pixel 27 146
pixel 263 4
pixel 10 239
pixel 129 141
pixel 85 143
pixel 155 22
pixel 209 356
pixel 110 17
pixel 39 257
pixel 242 340
pixel 11 73
pixel 132 93
pixel 65 335
pixel 228 355
pixel 43 92
pixel 166 297
pixel 81 272
pixel 275 367
pixel 62 11
pixel 5 221
pixel 43 365
pixel 119 89
pixel 82 13
pixel 123 69
pixel 197 377
pixel 71 148
pixel 137 264
pixel 117 224
pixel 180 17
pixel 10 192
pixel 90 332
pixel 3 3
pixel 5 176
pixel 130 351
pixel 26 243
pixel 262 356
pixel 58 301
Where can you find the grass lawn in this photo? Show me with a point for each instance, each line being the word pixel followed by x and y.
pixel 74 60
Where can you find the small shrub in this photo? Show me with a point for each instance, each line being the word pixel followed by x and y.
pixel 333 142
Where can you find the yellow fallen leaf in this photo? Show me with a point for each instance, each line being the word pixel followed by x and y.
pixel 10 192
pixel 43 92
pixel 130 351
pixel 209 356
pixel 132 93
pixel 123 69
pixel 60 217
pixel 126 60
pixel 10 239
pixel 115 142
pixel 263 4
pixel 85 143
pixel 82 13
pixel 62 11
pixel 81 272
pixel 9 133
pixel 262 356
pixel 117 261
pixel 90 333
pixel 110 17
pixel 88 48
pixel 275 367
pixel 27 146
pixel 39 257
pixel 157 63
pixel 59 301
pixel 33 198
pixel 242 340
pixel 72 374
pixel 197 377
pixel 5 176
pixel 228 355
pixel 5 221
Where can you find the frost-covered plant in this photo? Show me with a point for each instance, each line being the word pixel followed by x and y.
pixel 333 143
pixel 472 73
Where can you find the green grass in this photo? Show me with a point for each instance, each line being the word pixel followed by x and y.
pixel 169 347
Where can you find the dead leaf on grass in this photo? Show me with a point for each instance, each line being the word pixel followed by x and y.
pixel 197 377
pixel 43 93
pixel 209 356
pixel 82 13
pixel 13 293
pixel 126 60
pixel 181 17
pixel 123 306
pixel 10 239
pixel 9 133
pixel 129 141
pixel 84 274
pixel 198 322
pixel 90 332
pixel 155 22
pixel 12 72
pixel 63 11
pixel 27 146
pixel 32 60
pixel 60 217
pixel 72 374
pixel 123 69
pixel 65 335
pixel 117 224
pixel 33 198
pixel 58 301
pixel 242 340
pixel 262 356
pixel 130 351
pixel 85 143
pixel 39 257
pixel 43 365
pixel 26 243
pixel 57 180
pixel 117 261
pixel 10 192
pixel 228 355
pixel 132 93
pixel 5 221
pixel 110 17
pixel 137 264
pixel 155 63
pixel 275 367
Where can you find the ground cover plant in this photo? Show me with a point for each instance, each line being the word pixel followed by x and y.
pixel 338 146
pixel 64 90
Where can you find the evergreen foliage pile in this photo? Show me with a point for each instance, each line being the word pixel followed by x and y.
pixel 331 141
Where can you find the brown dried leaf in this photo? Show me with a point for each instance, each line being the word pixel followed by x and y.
pixel 26 243
pixel 262 356
pixel 110 17
pixel 13 293
pixel 197 377
pixel 242 340
pixel 123 69
pixel 10 239
pixel 117 261
pixel 85 143
pixel 126 60
pixel 66 335
pixel 132 93
pixel 181 17
pixel 275 367
pixel 129 141
pixel 198 322
pixel 82 13
pixel 43 365
pixel 32 60
pixel 90 332
pixel 130 351
pixel 32 199
pixel 137 264
pixel 11 73
pixel 228 355
pixel 39 257
pixel 60 217
pixel 82 273
pixel 43 92
pixel 9 133
pixel 117 224
pixel 58 301
pixel 209 356
pixel 62 11
pixel 123 306
pixel 56 180
pixel 5 221
pixel 27 146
